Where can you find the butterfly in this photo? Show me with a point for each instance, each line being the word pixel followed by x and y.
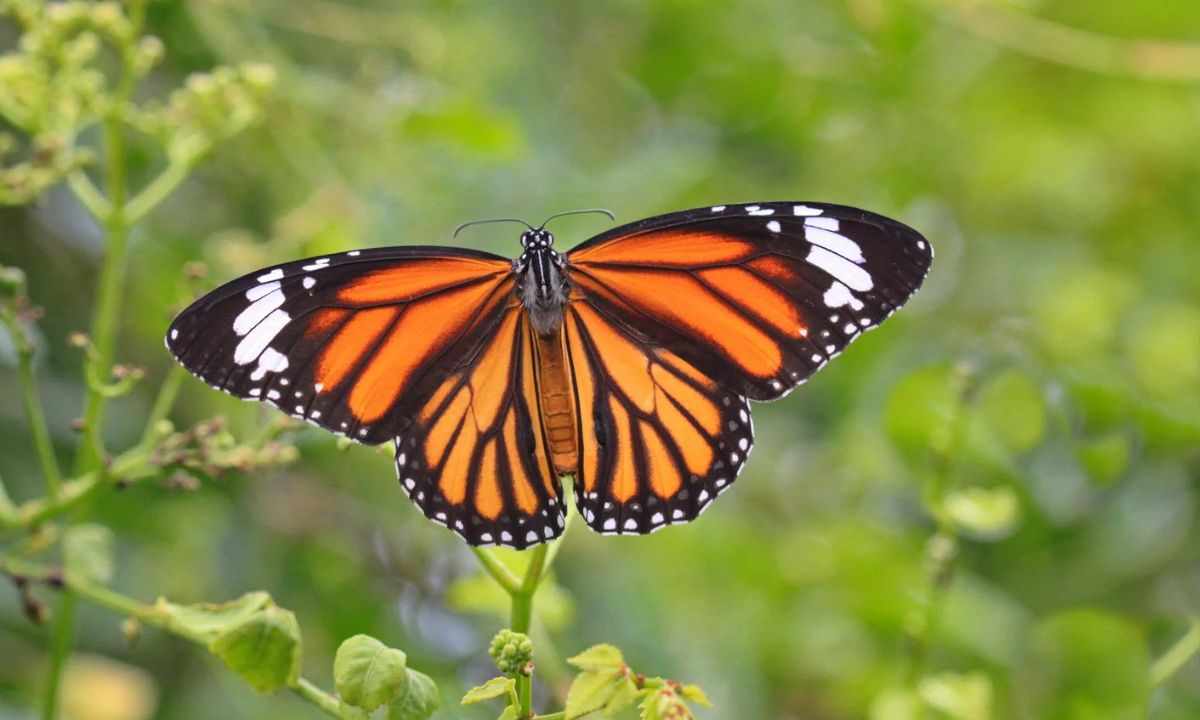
pixel 627 362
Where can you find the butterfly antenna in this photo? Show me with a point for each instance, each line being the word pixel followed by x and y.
pixel 601 211
pixel 459 229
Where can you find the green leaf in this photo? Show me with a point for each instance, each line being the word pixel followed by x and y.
pixel 264 650
pixel 664 703
pixel 958 696
pixel 1087 664
pixel 920 406
pixel 599 658
pixel 493 688
pixel 984 512
pixel 206 621
pixel 368 673
pixel 88 553
pixel 510 713
pixel 1013 408
pixel 418 698
pixel 625 696
pixel 592 690
pixel 696 695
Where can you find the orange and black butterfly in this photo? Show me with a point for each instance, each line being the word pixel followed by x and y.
pixel 627 362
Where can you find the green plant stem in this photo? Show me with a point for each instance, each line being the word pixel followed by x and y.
pixel 497 569
pixel 101 596
pixel 87 193
pixel 522 618
pixel 1177 656
pixel 318 697
pixel 62 638
pixel 163 402
pixel 108 300
pixel 33 403
pixel 159 188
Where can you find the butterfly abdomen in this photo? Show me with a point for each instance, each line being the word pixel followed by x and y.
pixel 556 396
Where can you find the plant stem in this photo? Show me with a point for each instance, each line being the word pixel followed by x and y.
pixel 78 589
pixel 497 569
pixel 318 697
pixel 522 618
pixel 1177 656
pixel 159 188
pixel 108 300
pixel 33 403
pixel 62 637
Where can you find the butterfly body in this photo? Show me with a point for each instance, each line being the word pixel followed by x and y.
pixel 627 362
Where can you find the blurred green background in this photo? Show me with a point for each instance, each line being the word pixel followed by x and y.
pixel 1040 396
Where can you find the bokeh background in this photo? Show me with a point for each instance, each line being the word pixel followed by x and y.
pixel 1041 394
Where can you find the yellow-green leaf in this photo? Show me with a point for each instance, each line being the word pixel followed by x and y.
pixel 599 658
pixel 88 552
pixel 493 688
pixel 592 690
pixel 418 698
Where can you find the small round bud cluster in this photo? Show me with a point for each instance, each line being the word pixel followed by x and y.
pixel 512 652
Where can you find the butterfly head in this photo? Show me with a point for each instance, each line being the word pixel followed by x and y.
pixel 537 239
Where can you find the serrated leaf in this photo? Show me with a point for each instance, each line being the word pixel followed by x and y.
pixel 599 658
pixel 493 688
pixel 367 673
pixel 264 650
pixel 696 695
pixel 418 698
pixel 88 553
pixel 590 691
pixel 209 620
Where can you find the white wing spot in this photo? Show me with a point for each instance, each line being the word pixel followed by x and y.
pixel 677 514
pixel 263 299
pixel 272 394
pixel 308 282
pixel 743 444
pixel 657 518
pixel 355 253
pixel 505 536
pixel 531 536
pixel 315 414
pixel 318 264
pixel 816 358
pixel 832 241
pixel 631 524
pixel 840 268
pixel 255 392
pixel 839 295
pixel 734 458
pixel 256 342
pixel 174 334
pixel 806 211
pixel 702 497
pixel 270 360
pixel 921 244
pixel 718 208
pixel 756 210
pixel 276 274
pixel 610 524
pixel 774 226
pixel 850 329
pixel 485 537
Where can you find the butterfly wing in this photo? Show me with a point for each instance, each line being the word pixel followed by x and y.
pixel 674 321
pixel 474 458
pixel 758 297
pixel 659 439
pixel 352 342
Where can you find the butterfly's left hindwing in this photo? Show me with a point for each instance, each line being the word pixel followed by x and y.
pixel 659 440
pixel 352 342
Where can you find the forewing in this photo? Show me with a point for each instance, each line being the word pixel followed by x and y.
pixel 474 458
pixel 758 297
pixel 353 342
pixel 659 439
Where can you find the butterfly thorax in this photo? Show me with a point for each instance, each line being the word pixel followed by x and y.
pixel 541 281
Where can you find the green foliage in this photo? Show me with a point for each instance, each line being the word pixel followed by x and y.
pixel 264 649
pixel 985 509
pixel 368 673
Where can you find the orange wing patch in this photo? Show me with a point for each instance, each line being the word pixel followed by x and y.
pixel 409 281
pixel 683 302
pixel 682 248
